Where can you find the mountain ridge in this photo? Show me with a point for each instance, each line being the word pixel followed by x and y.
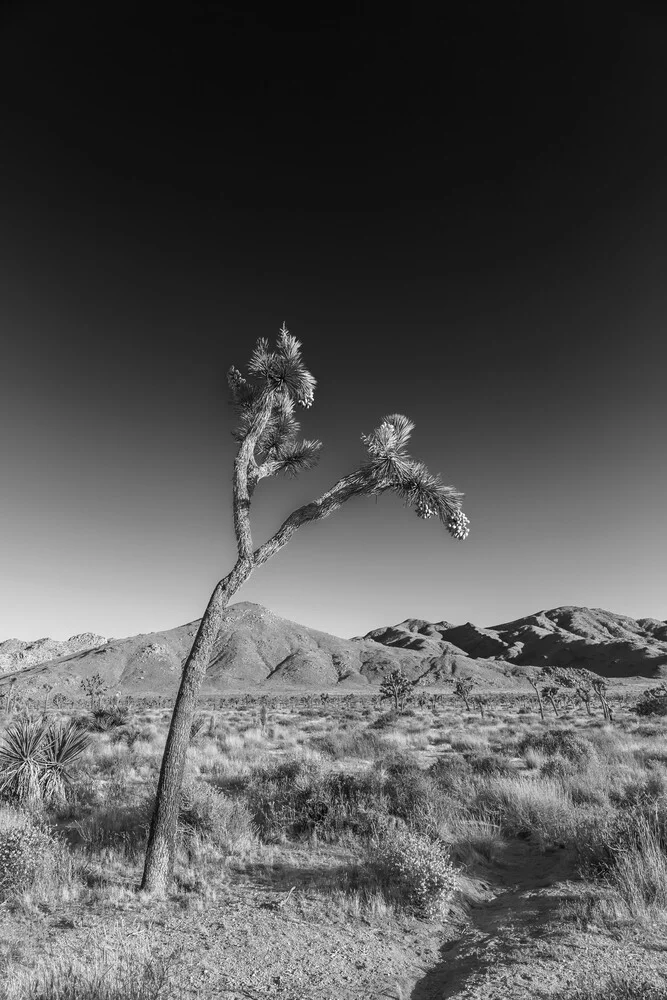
pixel 257 649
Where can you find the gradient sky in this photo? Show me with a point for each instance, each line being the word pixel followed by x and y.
pixel 462 221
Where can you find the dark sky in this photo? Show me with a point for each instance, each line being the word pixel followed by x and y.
pixel 463 220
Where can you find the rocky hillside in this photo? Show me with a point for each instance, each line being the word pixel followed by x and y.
pixel 609 644
pixel 255 649
pixel 16 654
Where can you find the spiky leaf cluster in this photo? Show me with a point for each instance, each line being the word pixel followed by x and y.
pixel 282 371
pixel 278 375
pixel 35 760
pixel 391 467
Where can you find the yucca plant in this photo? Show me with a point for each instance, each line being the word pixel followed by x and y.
pixel 265 400
pixel 35 759
pixel 64 745
pixel 22 760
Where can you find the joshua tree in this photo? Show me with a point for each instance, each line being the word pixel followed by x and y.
pixel 533 683
pixel 47 688
pixel 600 687
pixel 551 692
pixel 397 687
pixel 94 687
pixel 266 433
pixel 463 688
pixel 584 694
pixel 481 703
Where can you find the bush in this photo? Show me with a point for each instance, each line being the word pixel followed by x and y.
pixel 24 850
pixel 653 701
pixel 407 787
pixel 449 771
pixel 215 817
pixel 358 743
pixel 487 763
pixel 558 767
pixel 417 868
pixel 386 720
pixel 523 807
pixel 296 798
pixel 559 742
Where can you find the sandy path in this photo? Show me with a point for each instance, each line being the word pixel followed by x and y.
pixel 517 945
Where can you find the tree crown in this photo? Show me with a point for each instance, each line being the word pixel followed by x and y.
pixel 280 379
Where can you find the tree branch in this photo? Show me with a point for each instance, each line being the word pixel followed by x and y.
pixel 244 480
pixel 356 484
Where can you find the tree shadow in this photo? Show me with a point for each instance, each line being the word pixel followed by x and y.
pixel 281 877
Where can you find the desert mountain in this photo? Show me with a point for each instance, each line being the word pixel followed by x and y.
pixel 15 654
pixel 256 648
pixel 609 644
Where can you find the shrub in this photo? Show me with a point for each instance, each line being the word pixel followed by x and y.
pixel 296 798
pixel 24 849
pixel 358 743
pixel 653 701
pixel 215 817
pixel 559 742
pixel 407 787
pixel 487 763
pixel 449 771
pixel 385 720
pixel 417 868
pixel 524 807
pixel 557 767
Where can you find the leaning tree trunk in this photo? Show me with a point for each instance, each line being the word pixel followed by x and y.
pixel 161 847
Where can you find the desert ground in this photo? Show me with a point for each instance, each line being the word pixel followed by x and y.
pixel 333 847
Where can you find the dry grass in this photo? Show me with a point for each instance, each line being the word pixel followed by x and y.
pixel 348 776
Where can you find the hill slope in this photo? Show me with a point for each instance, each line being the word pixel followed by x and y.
pixel 255 648
pixel 609 644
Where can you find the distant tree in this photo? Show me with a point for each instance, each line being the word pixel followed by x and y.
pixel 266 433
pixel 551 692
pixel 93 687
pixel 600 687
pixel 533 683
pixel 396 687
pixel 462 689
pixel 481 703
pixel 583 692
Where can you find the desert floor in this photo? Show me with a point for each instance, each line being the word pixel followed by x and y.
pixel 331 848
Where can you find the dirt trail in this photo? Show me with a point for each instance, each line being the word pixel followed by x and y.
pixel 511 947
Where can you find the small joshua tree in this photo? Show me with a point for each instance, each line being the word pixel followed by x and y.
pixel 533 683
pixel 551 692
pixel 265 400
pixel 584 694
pixel 397 687
pixel 482 704
pixel 600 687
pixel 94 687
pixel 462 689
